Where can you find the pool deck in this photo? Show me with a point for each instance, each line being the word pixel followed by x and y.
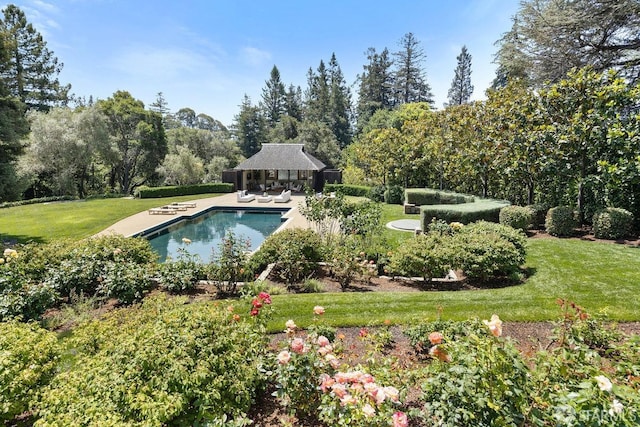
pixel 144 220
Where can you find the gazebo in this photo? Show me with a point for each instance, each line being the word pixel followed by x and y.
pixel 280 166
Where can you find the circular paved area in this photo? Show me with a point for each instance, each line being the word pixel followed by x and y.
pixel 404 224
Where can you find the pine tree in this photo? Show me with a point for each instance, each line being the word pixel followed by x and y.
pixel 409 75
pixel 339 119
pixel 461 87
pixel 273 98
pixel 317 94
pixel 293 102
pixel 250 128
pixel 29 70
pixel 376 86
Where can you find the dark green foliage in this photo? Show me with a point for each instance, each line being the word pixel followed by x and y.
pixel 427 255
pixel 519 217
pixel 612 223
pixel 516 237
pixel 296 252
pixel 481 210
pixel 348 190
pixel 428 196
pixel 181 274
pixel 560 221
pixel 376 193
pixel 538 215
pixel 183 190
pixel 394 195
pixel 38 200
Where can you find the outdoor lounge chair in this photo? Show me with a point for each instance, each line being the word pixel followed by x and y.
pixel 264 199
pixel 184 204
pixel 244 197
pixel 284 197
pixel 162 211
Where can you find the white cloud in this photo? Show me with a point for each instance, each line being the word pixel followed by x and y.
pixel 160 63
pixel 254 56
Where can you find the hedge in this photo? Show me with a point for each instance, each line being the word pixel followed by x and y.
pixel 481 209
pixel 348 190
pixel 429 196
pixel 183 190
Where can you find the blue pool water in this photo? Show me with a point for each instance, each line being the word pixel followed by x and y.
pixel 207 231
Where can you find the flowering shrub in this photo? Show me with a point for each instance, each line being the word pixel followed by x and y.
pixel 28 360
pixel 349 263
pixel 182 274
pixel 230 264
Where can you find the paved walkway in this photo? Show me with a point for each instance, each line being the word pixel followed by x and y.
pixel 144 220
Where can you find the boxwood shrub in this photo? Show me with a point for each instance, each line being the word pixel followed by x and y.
pixel 394 195
pixel 539 213
pixel 348 190
pixel 428 196
pixel 519 217
pixel 183 190
pixel 612 223
pixel 482 209
pixel 560 221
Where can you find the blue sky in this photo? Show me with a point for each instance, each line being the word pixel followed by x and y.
pixel 207 54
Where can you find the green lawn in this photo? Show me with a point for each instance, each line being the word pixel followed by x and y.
pixel 601 277
pixel 74 219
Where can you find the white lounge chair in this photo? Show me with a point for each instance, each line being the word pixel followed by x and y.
pixel 244 197
pixel 264 199
pixel 184 204
pixel 162 211
pixel 284 197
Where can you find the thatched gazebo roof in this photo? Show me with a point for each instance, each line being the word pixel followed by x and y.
pixel 282 157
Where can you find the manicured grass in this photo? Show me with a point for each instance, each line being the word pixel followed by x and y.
pixel 73 219
pixel 603 278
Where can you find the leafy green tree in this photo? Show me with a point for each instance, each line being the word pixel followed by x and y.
pixel 181 167
pixel 461 87
pixel 28 68
pixel 512 63
pixel 187 117
pixel 62 149
pixel 250 128
pixel 138 141
pixel 409 74
pixel 375 90
pixel 555 36
pixel 273 98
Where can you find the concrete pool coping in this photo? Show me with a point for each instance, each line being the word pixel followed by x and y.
pixel 143 221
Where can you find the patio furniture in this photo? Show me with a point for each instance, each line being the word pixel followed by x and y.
pixel 284 197
pixel 175 207
pixel 245 197
pixel 184 204
pixel 162 211
pixel 264 199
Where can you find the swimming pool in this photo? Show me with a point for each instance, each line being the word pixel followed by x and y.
pixel 207 230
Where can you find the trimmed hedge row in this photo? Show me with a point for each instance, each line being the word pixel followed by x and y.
pixel 34 201
pixel 429 196
pixel 480 210
pixel 348 190
pixel 183 190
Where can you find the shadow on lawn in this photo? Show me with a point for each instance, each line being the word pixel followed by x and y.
pixel 8 240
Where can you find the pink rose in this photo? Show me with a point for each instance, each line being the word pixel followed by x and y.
pixel 333 361
pixel 326 383
pixel 367 378
pixel 339 389
pixel 392 393
pixel 255 312
pixel 400 419
pixel 319 310
pixel 323 351
pixel 347 399
pixel 297 345
pixel 284 357
pixel 435 338
pixel 291 325
pixel 323 341
pixel 265 297
pixel 495 325
pixel 368 411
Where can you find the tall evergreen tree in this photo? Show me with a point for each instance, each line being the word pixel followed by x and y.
pixel 409 74
pixel 13 127
pixel 317 96
pixel 339 104
pixel 273 98
pixel 376 86
pixel 29 69
pixel 250 128
pixel 293 102
pixel 461 87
